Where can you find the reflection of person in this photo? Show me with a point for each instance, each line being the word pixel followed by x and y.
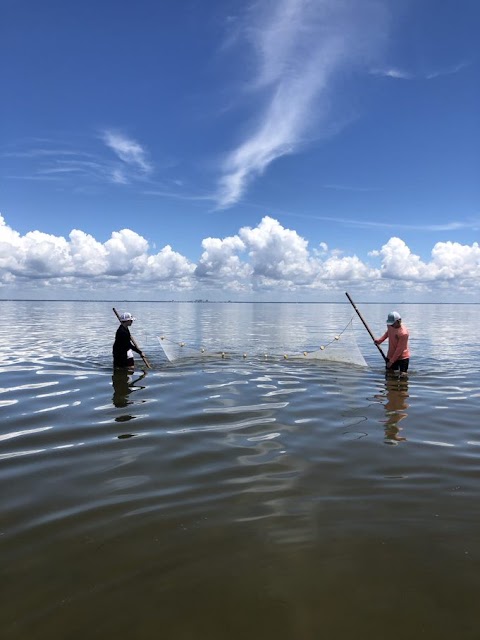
pixel 123 385
pixel 398 356
pixel 121 388
pixel 123 345
pixel 395 408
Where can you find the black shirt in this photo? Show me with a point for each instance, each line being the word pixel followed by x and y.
pixel 123 342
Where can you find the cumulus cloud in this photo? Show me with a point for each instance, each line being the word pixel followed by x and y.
pixel 267 258
pixel 398 262
pixel 298 46
pixel 219 259
pixel 347 269
pixel 124 257
pixel 278 254
pixel 450 261
pixel 167 266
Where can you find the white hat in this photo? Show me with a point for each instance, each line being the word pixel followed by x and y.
pixel 393 316
pixel 124 317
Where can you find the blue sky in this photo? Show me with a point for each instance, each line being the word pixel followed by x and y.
pixel 271 150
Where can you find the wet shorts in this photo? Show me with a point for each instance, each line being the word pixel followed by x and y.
pixel 400 365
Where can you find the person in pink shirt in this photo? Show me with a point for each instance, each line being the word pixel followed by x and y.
pixel 398 356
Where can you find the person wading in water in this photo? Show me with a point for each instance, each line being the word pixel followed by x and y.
pixel 123 345
pixel 398 356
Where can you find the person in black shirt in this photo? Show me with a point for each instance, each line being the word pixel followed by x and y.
pixel 123 345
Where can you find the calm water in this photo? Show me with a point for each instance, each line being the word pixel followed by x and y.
pixel 239 497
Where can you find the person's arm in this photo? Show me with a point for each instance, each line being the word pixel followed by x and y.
pixel 382 339
pixel 136 349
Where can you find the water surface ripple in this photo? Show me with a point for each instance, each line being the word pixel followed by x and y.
pixel 238 497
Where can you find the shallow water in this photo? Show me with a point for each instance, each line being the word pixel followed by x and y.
pixel 237 497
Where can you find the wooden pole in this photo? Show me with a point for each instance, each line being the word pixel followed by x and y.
pixel 144 358
pixel 366 326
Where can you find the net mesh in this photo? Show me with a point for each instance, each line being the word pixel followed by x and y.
pixel 342 347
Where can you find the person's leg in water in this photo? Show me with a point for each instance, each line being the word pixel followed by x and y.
pixel 400 367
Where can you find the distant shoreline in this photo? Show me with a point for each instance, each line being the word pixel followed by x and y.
pixel 227 301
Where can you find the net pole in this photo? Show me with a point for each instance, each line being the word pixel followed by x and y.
pixel 366 326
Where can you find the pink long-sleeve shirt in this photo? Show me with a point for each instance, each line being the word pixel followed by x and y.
pixel 397 343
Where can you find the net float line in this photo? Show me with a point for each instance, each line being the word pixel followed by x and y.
pixel 342 347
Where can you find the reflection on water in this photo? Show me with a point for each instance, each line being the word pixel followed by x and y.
pixel 124 382
pixel 395 401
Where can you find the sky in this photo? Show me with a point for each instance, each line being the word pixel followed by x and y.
pixel 271 150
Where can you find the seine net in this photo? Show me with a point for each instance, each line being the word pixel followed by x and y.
pixel 341 347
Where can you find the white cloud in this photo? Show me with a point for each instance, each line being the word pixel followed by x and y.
pixel 118 176
pixel 277 253
pixel 347 269
pixel 401 74
pixel 399 263
pixel 124 257
pixel 167 266
pixel 89 257
pixel 128 150
pixel 472 223
pixel 122 248
pixel 453 260
pixel 75 166
pixel 267 258
pixel 323 247
pixel 42 255
pixel 299 46
pixel 450 261
pixel 219 259
pixel 447 71
pixel 397 74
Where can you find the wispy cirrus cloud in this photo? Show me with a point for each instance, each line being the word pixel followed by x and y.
pixel 454 225
pixel 447 71
pixel 83 163
pixel 402 74
pixel 130 152
pixel 38 152
pixel 299 47
pixel 391 72
pixel 346 187
pixel 53 164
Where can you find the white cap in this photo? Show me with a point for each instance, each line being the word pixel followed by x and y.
pixel 124 317
pixel 393 316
